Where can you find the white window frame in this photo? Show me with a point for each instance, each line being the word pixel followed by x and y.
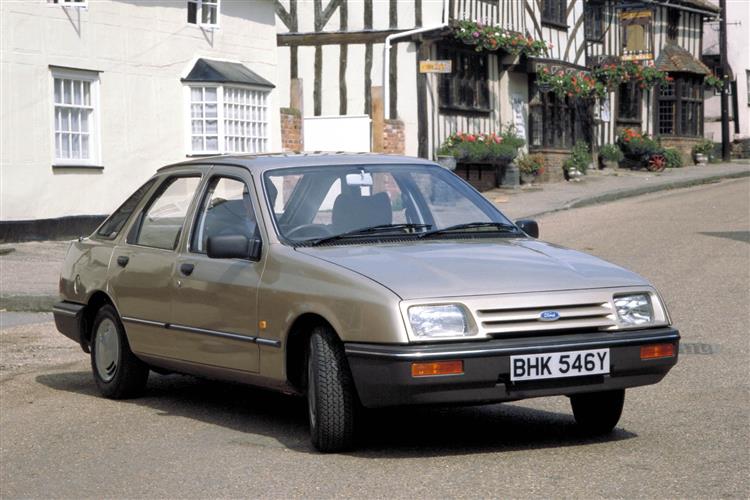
pixel 92 77
pixel 199 4
pixel 222 149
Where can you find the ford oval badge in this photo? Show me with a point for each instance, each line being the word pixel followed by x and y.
pixel 549 316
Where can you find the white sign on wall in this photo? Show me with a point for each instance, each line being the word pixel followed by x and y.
pixel 519 122
pixel 338 133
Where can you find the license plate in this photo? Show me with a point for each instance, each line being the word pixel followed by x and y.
pixel 559 364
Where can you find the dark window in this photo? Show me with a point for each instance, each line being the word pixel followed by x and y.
pixel 559 122
pixel 680 107
pixel 161 222
pixel 629 103
pixel 594 20
pixel 467 87
pixel 227 210
pixel 673 24
pixel 114 224
pixel 554 12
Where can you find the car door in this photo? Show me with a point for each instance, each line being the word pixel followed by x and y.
pixel 142 267
pixel 215 300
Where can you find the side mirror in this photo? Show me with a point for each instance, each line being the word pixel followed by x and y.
pixel 529 227
pixel 233 247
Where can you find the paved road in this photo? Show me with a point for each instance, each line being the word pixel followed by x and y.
pixel 686 437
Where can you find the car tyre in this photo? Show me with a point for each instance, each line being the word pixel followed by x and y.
pixel 597 413
pixel 331 397
pixel 117 372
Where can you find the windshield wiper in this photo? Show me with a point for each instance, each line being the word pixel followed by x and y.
pixel 366 231
pixel 497 226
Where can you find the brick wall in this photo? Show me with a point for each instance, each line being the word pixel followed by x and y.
pixel 684 145
pixel 291 130
pixel 553 164
pixel 393 137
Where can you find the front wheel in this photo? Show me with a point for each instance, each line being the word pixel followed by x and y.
pixel 331 397
pixel 597 413
pixel 117 372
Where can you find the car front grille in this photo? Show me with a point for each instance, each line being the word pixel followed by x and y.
pixel 507 322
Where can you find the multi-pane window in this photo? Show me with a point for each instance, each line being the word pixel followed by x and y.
pixel 228 119
pixel 594 20
pixel 680 107
pixel 466 88
pixel 75 138
pixel 204 119
pixel 673 24
pixel 629 103
pixel 245 120
pixel 203 12
pixel 554 12
pixel 559 122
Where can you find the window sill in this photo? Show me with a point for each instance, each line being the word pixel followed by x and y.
pixel 465 110
pixel 66 166
pixel 632 121
pixel 595 40
pixel 548 23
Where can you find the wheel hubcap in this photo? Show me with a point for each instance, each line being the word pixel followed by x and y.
pixel 107 350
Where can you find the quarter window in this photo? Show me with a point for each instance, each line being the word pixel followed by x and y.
pixel 162 221
pixel 203 12
pixel 227 210
pixel 75 105
pixel 228 119
pixel 114 224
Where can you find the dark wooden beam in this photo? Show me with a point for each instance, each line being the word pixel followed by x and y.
pixel 423 53
pixel 343 55
pixel 368 59
pixel 314 39
pixel 318 83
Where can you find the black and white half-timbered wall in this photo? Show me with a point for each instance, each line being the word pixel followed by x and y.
pixel 338 49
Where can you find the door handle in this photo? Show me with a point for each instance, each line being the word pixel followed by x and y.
pixel 187 269
pixel 123 260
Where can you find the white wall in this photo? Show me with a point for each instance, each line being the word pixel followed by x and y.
pixel 738 34
pixel 142 49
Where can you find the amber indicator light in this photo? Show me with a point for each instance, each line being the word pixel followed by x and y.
pixel 434 368
pixel 656 351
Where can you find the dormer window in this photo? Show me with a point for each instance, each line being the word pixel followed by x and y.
pixel 204 13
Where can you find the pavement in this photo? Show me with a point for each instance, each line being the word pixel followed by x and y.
pixel 29 272
pixel 686 437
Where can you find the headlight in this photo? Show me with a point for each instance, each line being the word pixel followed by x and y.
pixel 442 321
pixel 634 310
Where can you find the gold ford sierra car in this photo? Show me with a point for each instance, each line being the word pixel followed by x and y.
pixel 359 281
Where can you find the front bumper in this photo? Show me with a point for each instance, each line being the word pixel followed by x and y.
pixel 382 373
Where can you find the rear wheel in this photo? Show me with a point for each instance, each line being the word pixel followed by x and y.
pixel 117 372
pixel 597 413
pixel 331 397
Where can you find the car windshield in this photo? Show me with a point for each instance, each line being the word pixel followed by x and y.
pixel 317 205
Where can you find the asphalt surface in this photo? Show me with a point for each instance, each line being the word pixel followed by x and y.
pixel 685 437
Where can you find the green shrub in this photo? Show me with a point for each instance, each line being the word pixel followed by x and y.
pixel 705 147
pixel 610 152
pixel 673 157
pixel 634 144
pixel 580 158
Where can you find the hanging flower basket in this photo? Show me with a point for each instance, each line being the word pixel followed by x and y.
pixel 492 38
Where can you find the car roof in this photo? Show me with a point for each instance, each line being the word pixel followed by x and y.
pixel 270 161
